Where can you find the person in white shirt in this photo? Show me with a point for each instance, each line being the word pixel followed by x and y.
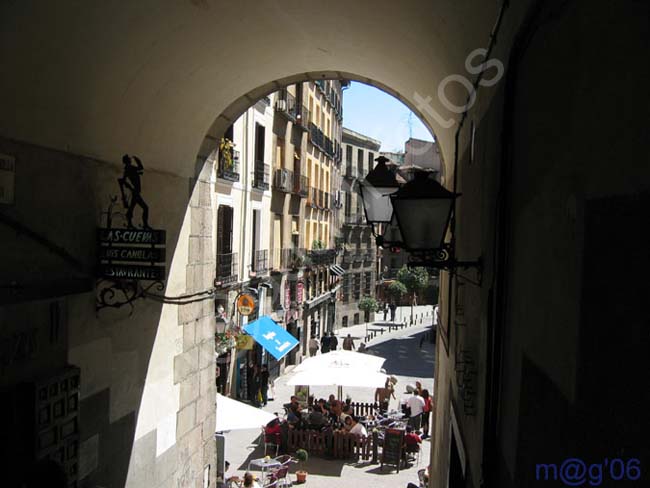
pixel 416 404
pixel 355 427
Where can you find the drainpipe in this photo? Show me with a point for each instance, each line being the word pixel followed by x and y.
pixel 244 196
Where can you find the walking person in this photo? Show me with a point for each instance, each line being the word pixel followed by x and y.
pixel 385 310
pixel 392 308
pixel 264 384
pixel 426 413
pixel 334 342
pixel 314 346
pixel 254 385
pixel 348 343
pixel 416 405
pixel 325 343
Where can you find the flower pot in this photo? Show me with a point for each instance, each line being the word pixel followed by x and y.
pixel 301 476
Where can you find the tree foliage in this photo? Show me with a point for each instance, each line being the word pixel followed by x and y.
pixel 415 279
pixel 368 305
pixel 397 290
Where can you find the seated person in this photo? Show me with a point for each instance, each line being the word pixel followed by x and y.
pixel 331 400
pixel 345 413
pixel 249 481
pixel 317 420
pixel 355 427
pixel 273 427
pixel 412 441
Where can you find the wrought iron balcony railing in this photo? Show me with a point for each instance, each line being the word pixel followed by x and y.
pixel 300 185
pixel 228 165
pixel 227 268
pixel 260 261
pixel 292 258
pixel 286 104
pixel 261 175
pixel 312 198
pixel 322 257
pixel 354 219
pixel 283 180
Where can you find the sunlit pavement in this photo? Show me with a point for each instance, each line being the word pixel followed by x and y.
pixel 405 359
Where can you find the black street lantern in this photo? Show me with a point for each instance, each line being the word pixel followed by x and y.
pixel 423 209
pixel 375 190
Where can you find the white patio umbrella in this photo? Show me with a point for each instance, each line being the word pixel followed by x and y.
pixel 354 376
pixel 234 415
pixel 341 359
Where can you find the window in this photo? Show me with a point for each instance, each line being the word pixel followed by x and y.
pixel 344 322
pixel 360 163
pixel 356 319
pixel 348 154
pixel 224 229
pixel 371 159
pixel 356 286
pixel 367 289
pixel 260 135
pixel 279 153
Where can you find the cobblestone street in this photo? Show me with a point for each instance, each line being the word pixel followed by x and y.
pixel 404 358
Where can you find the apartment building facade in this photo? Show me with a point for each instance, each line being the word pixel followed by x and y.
pixel 242 187
pixel 305 204
pixel 359 251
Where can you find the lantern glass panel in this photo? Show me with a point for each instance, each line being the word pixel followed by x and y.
pixel 423 221
pixel 376 203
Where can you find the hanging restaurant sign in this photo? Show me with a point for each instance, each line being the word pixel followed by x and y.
pixel 131 254
pixel 246 304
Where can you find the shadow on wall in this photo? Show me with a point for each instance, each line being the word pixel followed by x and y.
pixel 50 307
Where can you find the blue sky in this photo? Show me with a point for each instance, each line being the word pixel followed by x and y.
pixel 374 113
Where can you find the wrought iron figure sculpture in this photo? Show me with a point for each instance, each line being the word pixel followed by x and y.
pixel 131 181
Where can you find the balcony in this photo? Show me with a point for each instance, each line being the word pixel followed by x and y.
pixel 354 219
pixel 261 175
pixel 315 136
pixel 286 105
pixel 303 117
pixel 283 180
pixel 227 268
pixel 292 258
pixel 312 197
pixel 300 185
pixel 260 261
pixel 322 257
pixel 350 170
pixel 228 166
pixel 327 201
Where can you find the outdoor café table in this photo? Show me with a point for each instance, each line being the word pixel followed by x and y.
pixel 264 465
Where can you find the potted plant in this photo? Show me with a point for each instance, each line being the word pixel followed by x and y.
pixel 301 456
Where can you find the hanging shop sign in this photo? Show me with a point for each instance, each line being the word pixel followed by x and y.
pixel 246 304
pixel 300 287
pixel 272 337
pixel 130 252
pixel 245 342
